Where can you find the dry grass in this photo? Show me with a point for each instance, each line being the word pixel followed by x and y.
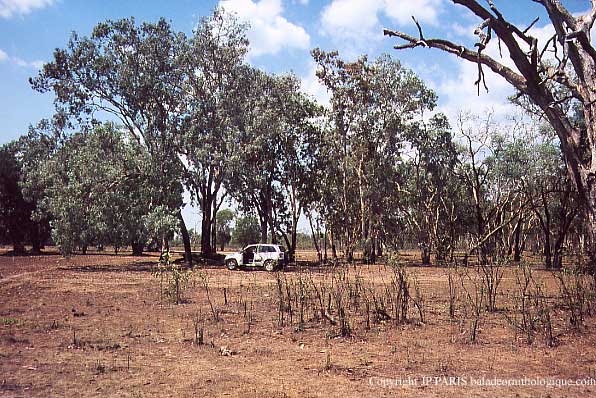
pixel 94 326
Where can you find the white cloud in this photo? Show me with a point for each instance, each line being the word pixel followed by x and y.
pixel 401 11
pixel 9 8
pixel 311 85
pixel 459 93
pixel 350 17
pixel 269 31
pixel 19 61
pixel 27 64
pixel 358 18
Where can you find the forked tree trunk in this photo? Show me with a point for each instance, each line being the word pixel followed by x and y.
pixel 264 229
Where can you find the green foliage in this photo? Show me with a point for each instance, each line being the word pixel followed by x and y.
pixel 224 230
pixel 93 190
pixel 132 72
pixel 246 231
pixel 215 89
pixel 375 170
pixel 376 108
pixel 16 226
pixel 8 321
pixel 271 173
pixel 161 222
pixel 434 199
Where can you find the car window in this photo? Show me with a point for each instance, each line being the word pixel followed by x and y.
pixel 262 249
pixel 249 249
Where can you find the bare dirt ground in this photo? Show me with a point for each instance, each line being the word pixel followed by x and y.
pixel 97 326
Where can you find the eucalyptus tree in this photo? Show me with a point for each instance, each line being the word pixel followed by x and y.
pixel 131 73
pixel 552 199
pixel 214 92
pixel 254 166
pixel 32 150
pixel 373 105
pixel 432 199
pixel 551 74
pixel 269 173
pixel 18 225
pixel 495 192
pixel 511 168
pixel 95 191
pixel 298 159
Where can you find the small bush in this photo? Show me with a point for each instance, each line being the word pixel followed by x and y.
pixel 9 321
pixel 173 278
pixel 532 312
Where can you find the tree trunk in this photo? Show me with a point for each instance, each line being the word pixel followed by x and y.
pixel 516 244
pixel 137 248
pixel 325 246
pixel 35 239
pixel 272 229
pixel 185 240
pixel 214 234
pixel 333 248
pixel 292 248
pixel 557 262
pixel 548 260
pixel 206 248
pixel 425 247
pixel 264 229
pixel 591 228
pixel 315 238
pixel 425 255
pixel 18 247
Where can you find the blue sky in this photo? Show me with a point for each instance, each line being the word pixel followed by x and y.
pixel 282 34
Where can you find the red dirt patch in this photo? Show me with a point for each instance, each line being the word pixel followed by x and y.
pixel 94 326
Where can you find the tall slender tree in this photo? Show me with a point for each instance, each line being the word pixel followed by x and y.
pixel 215 90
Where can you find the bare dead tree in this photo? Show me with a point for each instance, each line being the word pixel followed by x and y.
pixel 550 85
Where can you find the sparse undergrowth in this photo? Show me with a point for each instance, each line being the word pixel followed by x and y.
pixel 348 322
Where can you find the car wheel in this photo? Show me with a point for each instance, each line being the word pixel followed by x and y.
pixel 232 264
pixel 269 265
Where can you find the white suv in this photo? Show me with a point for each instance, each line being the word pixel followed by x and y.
pixel 260 255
